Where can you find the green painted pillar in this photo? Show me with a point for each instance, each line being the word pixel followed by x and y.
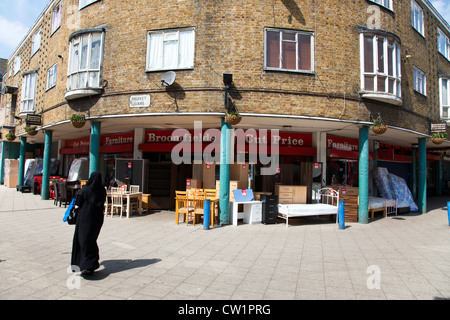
pixel 94 150
pixel 224 194
pixel 23 147
pixel 363 208
pixel 414 173
pixel 422 178
pixel 439 178
pixel 46 165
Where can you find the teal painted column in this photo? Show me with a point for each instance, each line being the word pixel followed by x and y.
pixel 422 178
pixel 224 194
pixel 2 161
pixel 363 208
pixel 439 178
pixel 23 146
pixel 94 150
pixel 46 165
pixel 414 173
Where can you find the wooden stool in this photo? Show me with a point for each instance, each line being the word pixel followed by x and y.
pixel 146 199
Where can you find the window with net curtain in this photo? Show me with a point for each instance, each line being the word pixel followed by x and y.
pixel 289 50
pixel 171 49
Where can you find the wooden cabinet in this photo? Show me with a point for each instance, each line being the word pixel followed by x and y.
pixel 350 196
pixel 291 194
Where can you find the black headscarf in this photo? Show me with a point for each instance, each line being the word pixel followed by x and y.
pixel 95 192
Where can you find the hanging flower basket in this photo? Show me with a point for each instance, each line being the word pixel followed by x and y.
pixel 31 130
pixel 233 118
pixel 10 136
pixel 78 120
pixel 379 129
pixel 438 137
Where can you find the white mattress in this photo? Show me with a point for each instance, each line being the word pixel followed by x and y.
pixel 304 210
pixel 376 203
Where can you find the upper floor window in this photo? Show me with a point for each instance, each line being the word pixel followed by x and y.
pixel 444 89
pixel 51 76
pixel 420 81
pixel 443 44
pixel 380 64
pixel 85 3
pixel 56 17
pixel 28 92
pixel 36 42
pixel 384 3
pixel 171 49
pixel 85 60
pixel 289 50
pixel 17 64
pixel 417 17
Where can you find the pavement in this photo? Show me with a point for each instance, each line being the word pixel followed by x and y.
pixel 149 257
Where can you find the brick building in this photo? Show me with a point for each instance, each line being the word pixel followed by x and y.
pixel 317 71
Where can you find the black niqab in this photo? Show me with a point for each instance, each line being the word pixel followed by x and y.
pixel 90 200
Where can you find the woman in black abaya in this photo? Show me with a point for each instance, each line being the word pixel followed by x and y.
pixel 90 202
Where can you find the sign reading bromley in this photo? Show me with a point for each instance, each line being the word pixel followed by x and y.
pixel 258 147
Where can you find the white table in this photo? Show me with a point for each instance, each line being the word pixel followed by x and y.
pixel 252 212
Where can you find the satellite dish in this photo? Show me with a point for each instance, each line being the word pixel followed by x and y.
pixel 168 78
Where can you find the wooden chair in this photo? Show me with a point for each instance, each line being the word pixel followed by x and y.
pixel 146 199
pixel 134 189
pixel 63 197
pixel 117 203
pixel 182 205
pixel 211 194
pixel 199 208
pixel 107 206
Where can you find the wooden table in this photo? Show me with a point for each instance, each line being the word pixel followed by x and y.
pixel 129 196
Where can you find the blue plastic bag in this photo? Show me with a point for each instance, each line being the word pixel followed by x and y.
pixel 71 205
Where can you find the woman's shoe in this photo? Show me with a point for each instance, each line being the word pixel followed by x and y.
pixel 87 272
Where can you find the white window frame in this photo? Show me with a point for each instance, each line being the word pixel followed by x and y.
pixel 444 82
pixel 158 49
pixel 29 83
pixel 17 63
pixel 36 41
pixel 417 18
pixel 420 81
pixel 51 76
pixel 79 76
pixel 384 3
pixel 382 72
pixel 85 3
pixel 280 68
pixel 56 17
pixel 443 44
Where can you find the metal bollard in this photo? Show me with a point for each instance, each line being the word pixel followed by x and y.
pixel 448 212
pixel 341 214
pixel 206 214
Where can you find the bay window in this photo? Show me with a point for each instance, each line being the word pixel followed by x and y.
pixel 289 50
pixel 170 49
pixel 85 63
pixel 380 66
pixel 384 3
